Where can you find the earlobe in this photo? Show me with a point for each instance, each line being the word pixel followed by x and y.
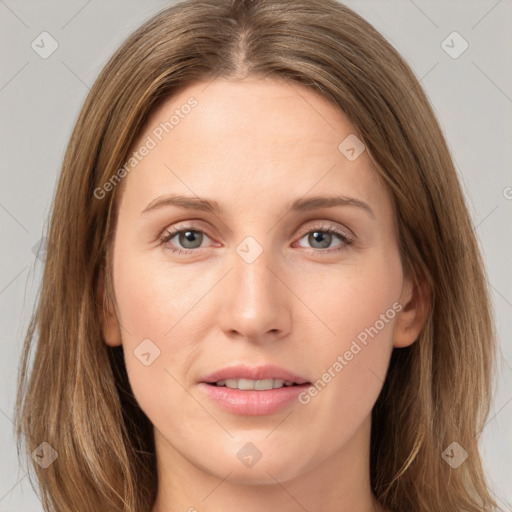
pixel 108 318
pixel 411 319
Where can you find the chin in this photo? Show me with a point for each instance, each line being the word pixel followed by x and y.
pixel 263 471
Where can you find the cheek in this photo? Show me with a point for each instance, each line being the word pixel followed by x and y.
pixel 154 344
pixel 153 296
pixel 349 298
pixel 159 306
pixel 358 308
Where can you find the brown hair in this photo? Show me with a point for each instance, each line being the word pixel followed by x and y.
pixel 77 396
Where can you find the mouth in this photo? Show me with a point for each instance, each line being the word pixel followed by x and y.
pixel 253 390
pixel 256 385
pixel 259 378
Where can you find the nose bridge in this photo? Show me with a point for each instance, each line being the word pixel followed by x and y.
pixel 253 304
pixel 251 273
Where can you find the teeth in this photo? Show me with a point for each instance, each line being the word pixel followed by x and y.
pixel 258 385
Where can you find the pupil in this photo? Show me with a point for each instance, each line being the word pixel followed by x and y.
pixel 320 237
pixel 189 237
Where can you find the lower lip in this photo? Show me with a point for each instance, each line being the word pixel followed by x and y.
pixel 253 403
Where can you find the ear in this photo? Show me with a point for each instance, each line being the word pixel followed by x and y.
pixel 415 300
pixel 108 318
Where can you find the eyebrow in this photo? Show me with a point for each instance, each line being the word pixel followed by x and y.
pixel 299 205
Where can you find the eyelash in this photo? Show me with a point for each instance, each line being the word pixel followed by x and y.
pixel 167 235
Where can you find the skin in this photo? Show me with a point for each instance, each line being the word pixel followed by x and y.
pixel 254 146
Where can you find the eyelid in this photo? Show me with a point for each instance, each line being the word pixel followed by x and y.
pixel 190 225
pixel 325 225
pixel 193 224
pixel 305 229
pixel 344 234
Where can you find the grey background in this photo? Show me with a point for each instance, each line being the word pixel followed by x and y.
pixel 40 99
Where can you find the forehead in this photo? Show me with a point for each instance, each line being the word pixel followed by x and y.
pixel 247 139
pixel 256 110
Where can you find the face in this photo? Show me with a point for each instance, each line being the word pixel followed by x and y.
pixel 270 285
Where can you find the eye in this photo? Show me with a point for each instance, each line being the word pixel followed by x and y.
pixel 188 237
pixel 321 236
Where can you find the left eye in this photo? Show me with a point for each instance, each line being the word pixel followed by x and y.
pixel 324 237
pixel 191 239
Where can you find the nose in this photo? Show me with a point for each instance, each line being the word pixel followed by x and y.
pixel 255 301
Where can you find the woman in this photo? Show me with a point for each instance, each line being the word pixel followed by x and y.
pixel 257 369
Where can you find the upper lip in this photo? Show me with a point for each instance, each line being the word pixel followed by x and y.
pixel 253 373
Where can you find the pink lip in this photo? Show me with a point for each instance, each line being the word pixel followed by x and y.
pixel 252 402
pixel 253 372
